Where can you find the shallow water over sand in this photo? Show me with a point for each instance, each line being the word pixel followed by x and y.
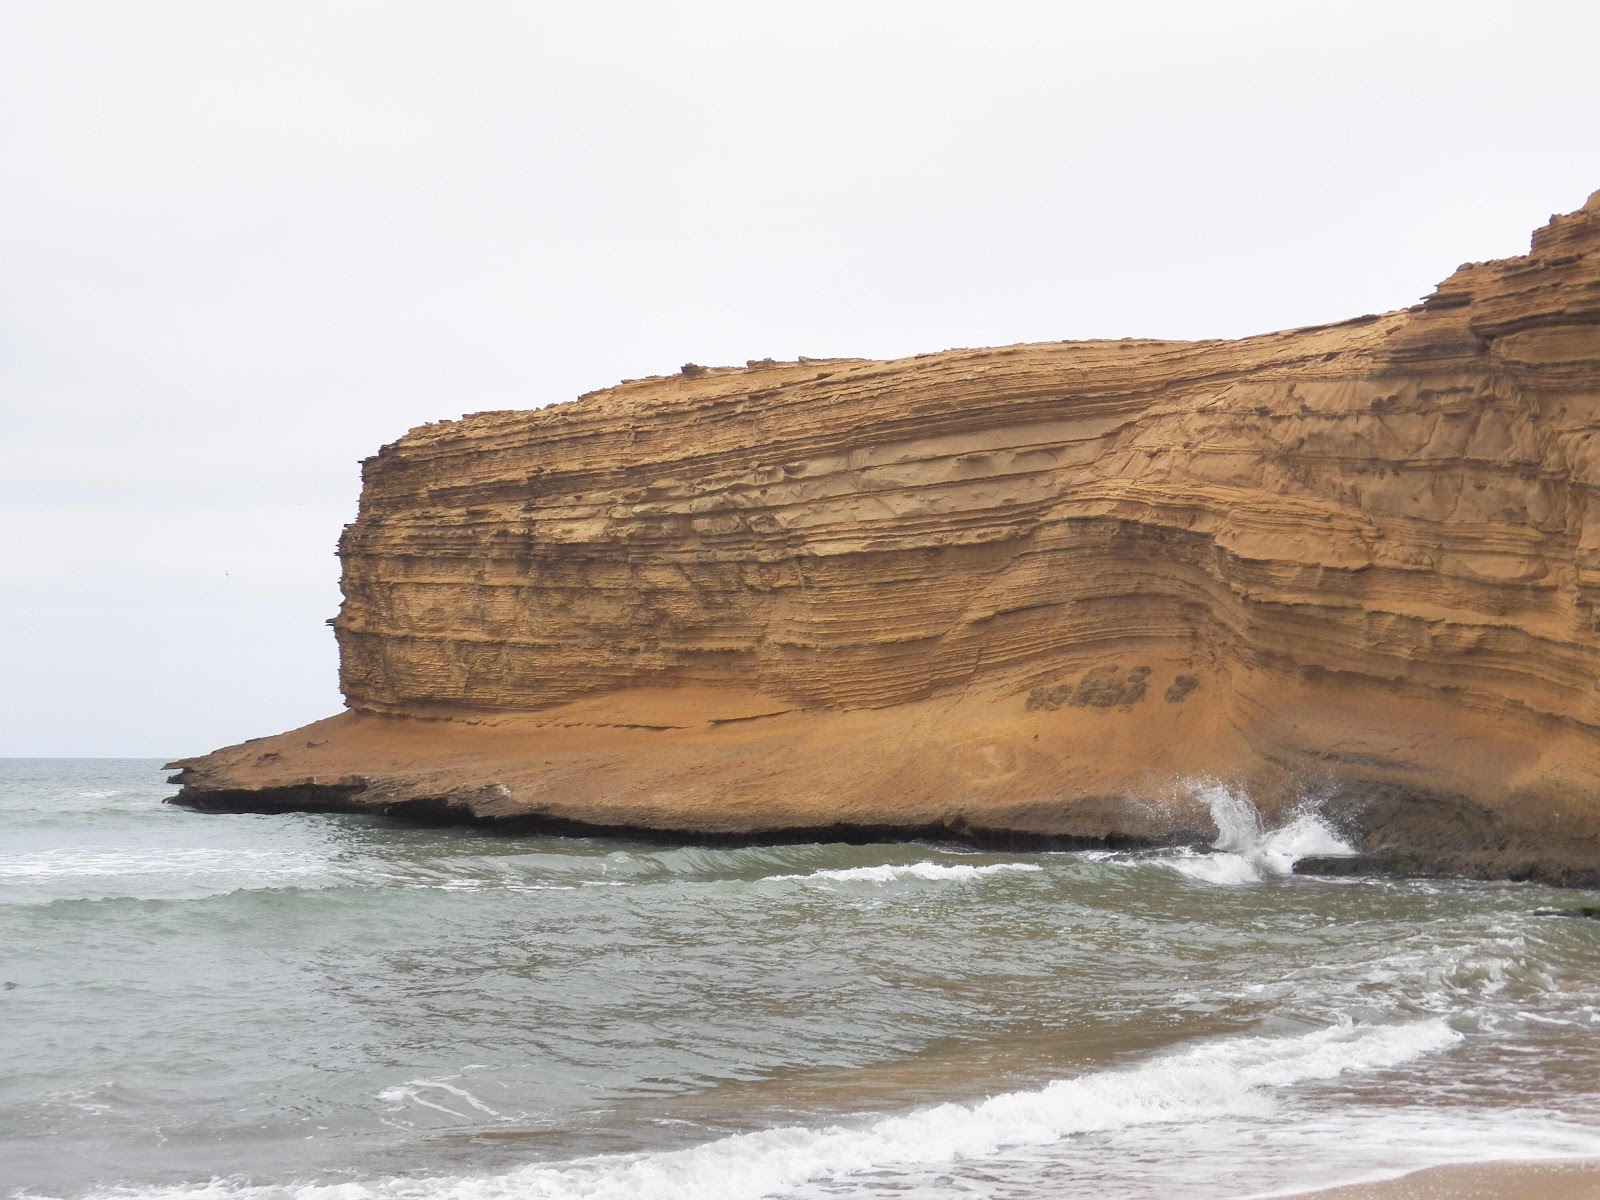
pixel 340 1007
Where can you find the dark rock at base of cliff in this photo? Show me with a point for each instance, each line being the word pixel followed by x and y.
pixel 1518 868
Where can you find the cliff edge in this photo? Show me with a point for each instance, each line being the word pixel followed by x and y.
pixel 1026 593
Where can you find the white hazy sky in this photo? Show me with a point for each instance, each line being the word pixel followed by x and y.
pixel 244 244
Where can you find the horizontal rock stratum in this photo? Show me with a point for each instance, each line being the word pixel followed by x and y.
pixel 1025 593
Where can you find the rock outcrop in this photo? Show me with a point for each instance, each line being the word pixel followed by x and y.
pixel 1008 593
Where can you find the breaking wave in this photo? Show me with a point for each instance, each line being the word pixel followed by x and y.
pixel 1246 851
pixel 1232 1076
pixel 165 861
pixel 928 871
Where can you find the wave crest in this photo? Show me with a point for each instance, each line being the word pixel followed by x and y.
pixel 892 872
pixel 1228 1076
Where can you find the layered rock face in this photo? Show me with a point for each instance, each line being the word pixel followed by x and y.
pixel 1026 590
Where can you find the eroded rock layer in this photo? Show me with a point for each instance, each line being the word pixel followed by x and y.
pixel 1017 589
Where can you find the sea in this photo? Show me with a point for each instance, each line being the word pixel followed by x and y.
pixel 341 1007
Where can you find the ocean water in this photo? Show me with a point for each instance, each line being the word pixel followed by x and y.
pixel 325 1007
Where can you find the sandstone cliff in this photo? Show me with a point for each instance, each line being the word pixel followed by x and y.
pixel 1025 591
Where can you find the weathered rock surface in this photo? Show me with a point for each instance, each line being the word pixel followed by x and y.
pixel 1019 592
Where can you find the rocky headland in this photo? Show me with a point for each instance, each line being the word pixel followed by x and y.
pixel 1028 595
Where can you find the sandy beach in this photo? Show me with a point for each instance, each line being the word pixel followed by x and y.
pixel 1559 1180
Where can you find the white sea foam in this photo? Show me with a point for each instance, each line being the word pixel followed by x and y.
pixel 891 872
pixel 500 884
pixel 1245 850
pixel 166 861
pixel 411 1092
pixel 1231 1076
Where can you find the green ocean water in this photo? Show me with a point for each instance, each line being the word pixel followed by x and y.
pixel 344 1008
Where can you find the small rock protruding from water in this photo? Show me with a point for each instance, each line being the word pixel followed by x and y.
pixel 1592 911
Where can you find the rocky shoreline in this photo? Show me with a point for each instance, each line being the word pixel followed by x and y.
pixel 1466 861
pixel 1020 596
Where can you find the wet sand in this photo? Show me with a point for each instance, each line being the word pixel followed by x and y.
pixel 1569 1180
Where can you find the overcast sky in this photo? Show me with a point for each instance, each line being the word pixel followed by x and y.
pixel 244 244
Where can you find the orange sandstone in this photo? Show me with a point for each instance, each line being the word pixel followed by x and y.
pixel 1023 592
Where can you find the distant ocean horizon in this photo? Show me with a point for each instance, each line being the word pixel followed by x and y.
pixel 341 1007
